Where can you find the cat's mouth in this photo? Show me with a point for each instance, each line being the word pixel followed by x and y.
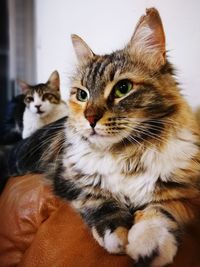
pixel 101 139
pixel 95 133
pixel 40 112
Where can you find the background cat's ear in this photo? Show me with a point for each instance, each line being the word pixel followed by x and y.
pixel 54 80
pixel 23 85
pixel 148 39
pixel 82 50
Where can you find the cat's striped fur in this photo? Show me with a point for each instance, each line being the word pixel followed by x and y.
pixel 128 164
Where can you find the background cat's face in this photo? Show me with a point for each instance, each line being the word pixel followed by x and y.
pixel 127 95
pixel 41 99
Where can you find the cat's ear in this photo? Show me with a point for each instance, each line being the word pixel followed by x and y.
pixel 148 40
pixel 54 80
pixel 23 85
pixel 82 50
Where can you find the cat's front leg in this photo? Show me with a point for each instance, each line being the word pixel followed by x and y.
pixel 154 238
pixel 109 221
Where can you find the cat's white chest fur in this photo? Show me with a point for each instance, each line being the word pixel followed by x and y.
pixel 138 188
pixel 33 121
pixel 105 165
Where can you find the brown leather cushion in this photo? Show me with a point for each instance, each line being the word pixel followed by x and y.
pixel 38 229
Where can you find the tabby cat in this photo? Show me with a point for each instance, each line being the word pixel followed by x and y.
pixel 127 156
pixel 43 104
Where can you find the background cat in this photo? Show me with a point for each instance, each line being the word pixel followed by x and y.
pixel 39 105
pixel 43 104
pixel 127 156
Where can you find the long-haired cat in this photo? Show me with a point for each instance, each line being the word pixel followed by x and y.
pixel 127 156
pixel 43 104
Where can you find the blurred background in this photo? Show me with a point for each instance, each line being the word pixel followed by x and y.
pixel 35 38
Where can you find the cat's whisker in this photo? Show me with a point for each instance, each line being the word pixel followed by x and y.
pixel 164 141
pixel 181 152
pixel 156 121
pixel 154 149
pixel 58 149
pixel 60 127
pixel 40 145
pixel 151 146
pixel 133 140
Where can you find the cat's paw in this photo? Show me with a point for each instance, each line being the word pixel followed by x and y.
pixel 150 243
pixel 113 242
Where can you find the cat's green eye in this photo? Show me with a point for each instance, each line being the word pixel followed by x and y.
pixel 82 95
pixel 122 88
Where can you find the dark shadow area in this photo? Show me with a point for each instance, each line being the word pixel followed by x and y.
pixel 4 57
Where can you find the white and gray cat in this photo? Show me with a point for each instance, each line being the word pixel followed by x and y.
pixel 43 104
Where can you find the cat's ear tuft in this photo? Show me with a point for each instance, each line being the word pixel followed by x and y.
pixel 82 50
pixel 54 80
pixel 148 39
pixel 23 85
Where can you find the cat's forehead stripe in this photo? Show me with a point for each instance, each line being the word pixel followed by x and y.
pixel 98 72
pixel 40 90
pixel 91 78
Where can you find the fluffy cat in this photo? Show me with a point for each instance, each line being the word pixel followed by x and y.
pixel 127 156
pixel 43 104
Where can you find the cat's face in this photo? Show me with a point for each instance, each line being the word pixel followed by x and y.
pixel 41 99
pixel 125 96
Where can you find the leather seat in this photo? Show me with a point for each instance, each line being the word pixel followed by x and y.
pixel 39 230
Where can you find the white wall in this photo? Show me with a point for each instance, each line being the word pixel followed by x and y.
pixel 107 25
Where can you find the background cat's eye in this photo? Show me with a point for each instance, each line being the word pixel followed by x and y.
pixel 48 96
pixel 122 88
pixel 82 95
pixel 29 99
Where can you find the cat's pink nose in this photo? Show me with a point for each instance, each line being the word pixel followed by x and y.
pixel 93 115
pixel 92 120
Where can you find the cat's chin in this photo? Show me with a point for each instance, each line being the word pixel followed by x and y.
pixel 102 141
pixel 41 114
